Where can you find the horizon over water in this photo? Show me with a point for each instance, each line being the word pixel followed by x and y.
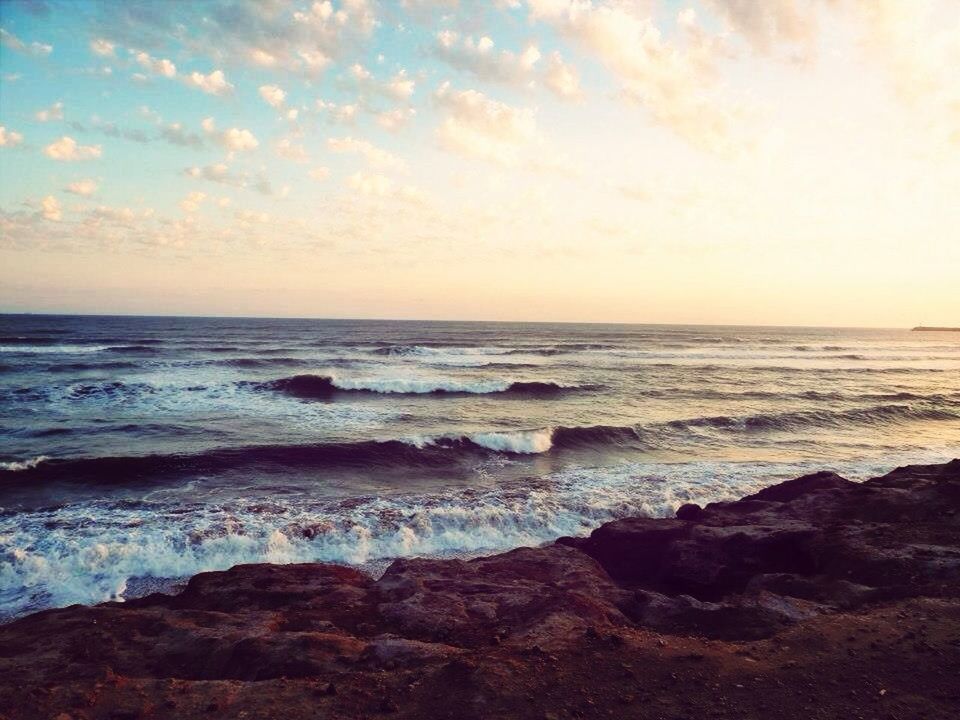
pixel 139 449
pixel 14 313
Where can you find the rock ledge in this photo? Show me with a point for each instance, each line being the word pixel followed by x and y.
pixel 814 598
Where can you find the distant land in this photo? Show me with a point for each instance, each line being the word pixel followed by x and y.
pixel 921 328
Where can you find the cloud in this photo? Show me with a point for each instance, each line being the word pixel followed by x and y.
pixel 478 57
pixel 377 157
pixel 54 112
pixel 111 129
pixel 37 49
pixel 273 95
pixel 237 139
pixel 213 84
pixel 319 173
pixel 233 139
pixel 770 24
pixel 262 58
pixel 377 185
pixel 154 65
pixel 9 138
pixel 66 149
pixel 301 38
pixel 562 78
pixel 50 208
pixel 102 47
pixel 921 54
pixel 478 126
pixel 398 87
pixel 395 119
pixel 103 215
pixel 672 81
pixel 82 187
pixel 222 174
pixel 339 114
pixel 286 148
pixel 313 61
pixel 176 134
pixel 191 203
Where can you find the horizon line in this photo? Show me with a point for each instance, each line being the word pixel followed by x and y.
pixel 442 320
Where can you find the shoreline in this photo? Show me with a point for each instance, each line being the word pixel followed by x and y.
pixel 816 596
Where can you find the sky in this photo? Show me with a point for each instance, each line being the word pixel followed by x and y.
pixel 786 162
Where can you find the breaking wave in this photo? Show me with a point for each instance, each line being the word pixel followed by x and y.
pixel 20 465
pixel 322 386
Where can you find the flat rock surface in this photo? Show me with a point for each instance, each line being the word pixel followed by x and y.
pixel 815 598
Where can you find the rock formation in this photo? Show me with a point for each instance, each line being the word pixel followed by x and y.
pixel 815 598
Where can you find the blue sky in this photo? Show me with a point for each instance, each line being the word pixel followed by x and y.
pixel 706 161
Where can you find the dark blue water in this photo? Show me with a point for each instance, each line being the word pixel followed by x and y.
pixel 135 448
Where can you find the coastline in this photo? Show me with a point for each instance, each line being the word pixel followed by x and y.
pixel 815 597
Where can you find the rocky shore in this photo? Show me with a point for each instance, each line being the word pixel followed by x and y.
pixel 815 598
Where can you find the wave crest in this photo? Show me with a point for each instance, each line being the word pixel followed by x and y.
pixel 323 386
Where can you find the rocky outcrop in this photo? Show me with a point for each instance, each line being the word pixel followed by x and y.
pixel 817 597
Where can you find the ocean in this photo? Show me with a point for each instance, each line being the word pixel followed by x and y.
pixel 135 451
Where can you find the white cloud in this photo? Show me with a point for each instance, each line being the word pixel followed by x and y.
pixel 82 187
pixel 313 60
pixel 66 149
pixel 50 207
pixel 339 114
pixel 287 148
pixel 273 95
pixel 262 58
pixel 233 139
pixel 398 87
pixel 54 112
pixel 191 203
pixel 122 215
pixel 395 119
pixel 37 49
pixel 213 84
pixel 238 139
pixel 220 172
pixel 671 81
pixel 156 66
pixel 102 47
pixel 319 173
pixel 377 157
pixel 478 126
pixel 479 57
pixel 562 78
pixel 9 138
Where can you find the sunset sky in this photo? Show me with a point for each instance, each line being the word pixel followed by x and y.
pixel 720 161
